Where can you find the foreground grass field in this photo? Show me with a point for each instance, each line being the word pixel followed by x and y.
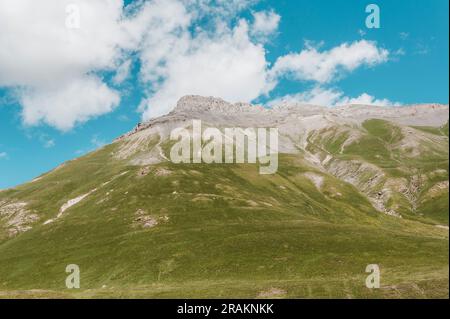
pixel 212 231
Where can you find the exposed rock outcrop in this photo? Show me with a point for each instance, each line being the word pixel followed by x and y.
pixel 16 217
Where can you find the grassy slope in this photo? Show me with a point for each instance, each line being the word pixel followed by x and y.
pixel 379 146
pixel 230 233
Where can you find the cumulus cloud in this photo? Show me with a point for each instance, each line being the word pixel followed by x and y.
pixel 323 67
pixel 37 48
pixel 52 66
pixel 366 99
pixel 182 46
pixel 221 59
pixel 48 62
pixel 122 73
pixel 330 97
pixel 228 65
pixel 219 9
pixel 265 23
pixel 65 105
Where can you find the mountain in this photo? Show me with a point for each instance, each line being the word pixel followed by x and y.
pixel 355 185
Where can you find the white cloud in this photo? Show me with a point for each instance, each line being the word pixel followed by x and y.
pixel 52 67
pixel 122 73
pixel 316 96
pixel 220 9
pixel 324 67
pixel 3 155
pixel 49 62
pixel 55 70
pixel 68 103
pixel 228 65
pixel 36 47
pixel 366 99
pixel 265 23
pixel 329 97
pixel 217 59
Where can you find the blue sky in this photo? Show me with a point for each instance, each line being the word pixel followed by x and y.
pixel 405 61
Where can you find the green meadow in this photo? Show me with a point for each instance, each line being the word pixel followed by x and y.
pixel 224 231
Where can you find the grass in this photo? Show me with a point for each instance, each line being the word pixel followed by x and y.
pixel 441 131
pixel 230 233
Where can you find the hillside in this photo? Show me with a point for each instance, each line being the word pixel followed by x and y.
pixel 356 185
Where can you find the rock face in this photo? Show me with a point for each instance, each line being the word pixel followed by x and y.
pixel 420 115
pixel 294 121
pixel 310 131
pixel 16 217
pixel 218 111
pixel 195 103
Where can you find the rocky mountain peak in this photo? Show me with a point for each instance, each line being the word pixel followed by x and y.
pixel 197 103
pixel 296 116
